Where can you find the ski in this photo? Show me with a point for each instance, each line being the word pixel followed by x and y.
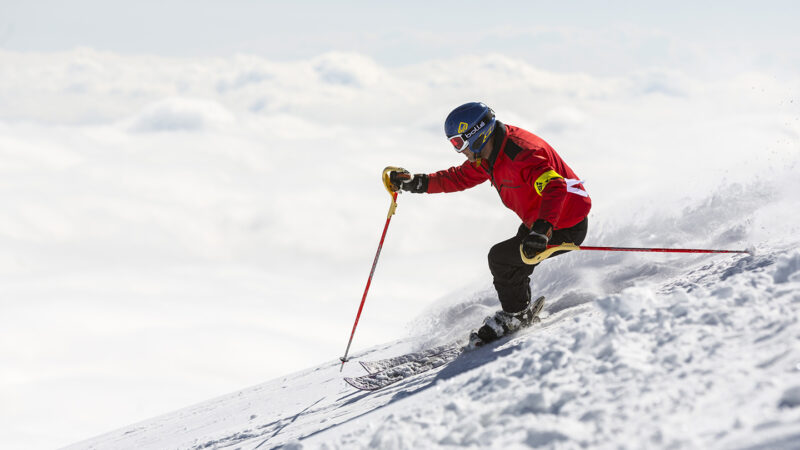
pixel 383 364
pixel 391 375
pixel 391 370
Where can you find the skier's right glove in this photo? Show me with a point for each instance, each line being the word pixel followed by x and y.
pixel 402 179
pixel 536 241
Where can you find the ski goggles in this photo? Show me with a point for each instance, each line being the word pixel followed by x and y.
pixel 459 143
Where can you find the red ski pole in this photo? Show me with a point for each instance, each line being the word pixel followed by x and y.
pixel 571 247
pixel 659 250
pixel 392 208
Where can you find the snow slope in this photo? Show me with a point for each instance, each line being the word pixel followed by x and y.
pixel 634 351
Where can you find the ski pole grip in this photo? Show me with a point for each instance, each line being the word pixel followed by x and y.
pixel 387 183
pixel 541 256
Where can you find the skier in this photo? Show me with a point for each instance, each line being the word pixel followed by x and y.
pixel 532 180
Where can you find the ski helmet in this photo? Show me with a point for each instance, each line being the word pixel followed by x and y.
pixel 469 126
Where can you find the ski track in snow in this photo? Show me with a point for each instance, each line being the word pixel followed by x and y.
pixel 709 358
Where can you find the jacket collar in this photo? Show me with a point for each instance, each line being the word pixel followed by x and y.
pixel 498 139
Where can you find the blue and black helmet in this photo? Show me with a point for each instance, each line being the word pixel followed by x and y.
pixel 470 126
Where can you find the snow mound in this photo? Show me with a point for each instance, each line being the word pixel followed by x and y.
pixel 706 359
pixel 788 268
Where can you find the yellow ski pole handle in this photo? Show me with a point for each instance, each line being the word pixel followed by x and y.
pixel 387 183
pixel 541 256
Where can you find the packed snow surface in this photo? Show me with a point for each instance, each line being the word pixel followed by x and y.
pixel 634 351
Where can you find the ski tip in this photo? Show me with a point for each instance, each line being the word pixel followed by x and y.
pixel 355 382
pixel 350 382
pixel 538 305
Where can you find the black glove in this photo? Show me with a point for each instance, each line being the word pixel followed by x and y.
pixel 536 241
pixel 402 179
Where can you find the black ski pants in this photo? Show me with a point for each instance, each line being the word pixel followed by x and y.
pixel 512 276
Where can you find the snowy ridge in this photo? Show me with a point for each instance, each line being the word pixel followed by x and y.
pixel 708 358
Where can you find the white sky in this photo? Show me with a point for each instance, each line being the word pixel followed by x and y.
pixel 601 38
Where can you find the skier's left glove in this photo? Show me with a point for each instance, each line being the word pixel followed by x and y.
pixel 536 241
pixel 402 179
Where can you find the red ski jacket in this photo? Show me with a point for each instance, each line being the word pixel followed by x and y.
pixel 531 178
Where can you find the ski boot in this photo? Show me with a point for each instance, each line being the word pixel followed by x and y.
pixel 503 324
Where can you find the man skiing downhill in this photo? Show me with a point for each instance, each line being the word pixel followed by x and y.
pixel 532 180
